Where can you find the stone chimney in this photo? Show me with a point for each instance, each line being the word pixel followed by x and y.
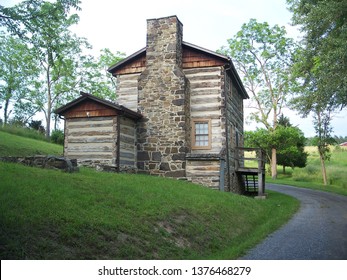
pixel 164 101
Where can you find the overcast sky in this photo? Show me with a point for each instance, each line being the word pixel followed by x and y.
pixel 121 26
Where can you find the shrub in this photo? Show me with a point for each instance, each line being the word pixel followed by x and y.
pixel 57 137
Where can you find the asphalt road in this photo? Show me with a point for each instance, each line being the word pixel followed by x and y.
pixel 318 231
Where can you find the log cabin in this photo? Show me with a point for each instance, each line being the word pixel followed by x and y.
pixel 179 114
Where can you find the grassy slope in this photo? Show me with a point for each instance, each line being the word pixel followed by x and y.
pixel 311 176
pixel 47 214
pixel 14 145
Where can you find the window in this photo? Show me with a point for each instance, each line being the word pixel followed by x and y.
pixel 201 136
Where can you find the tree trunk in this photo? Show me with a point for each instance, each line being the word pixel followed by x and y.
pixel 273 163
pixel 49 105
pixel 284 169
pixel 6 114
pixel 324 171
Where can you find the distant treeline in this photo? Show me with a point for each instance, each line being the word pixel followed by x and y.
pixel 338 139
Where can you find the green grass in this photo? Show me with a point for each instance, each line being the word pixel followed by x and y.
pixel 46 214
pixel 24 132
pixel 311 175
pixel 15 145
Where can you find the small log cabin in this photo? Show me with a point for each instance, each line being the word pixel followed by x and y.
pixel 99 132
pixel 179 113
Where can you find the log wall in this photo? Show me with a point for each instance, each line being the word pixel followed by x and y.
pixel 206 95
pixel 91 141
pixel 234 121
pixel 206 84
pixel 127 136
pixel 203 171
pixel 127 91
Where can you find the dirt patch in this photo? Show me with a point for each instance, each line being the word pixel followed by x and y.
pixel 170 229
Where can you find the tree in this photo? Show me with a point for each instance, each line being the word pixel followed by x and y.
pixel 321 66
pixel 18 72
pixel 289 142
pixel 291 147
pixel 18 19
pixel 262 54
pixel 94 75
pixel 310 100
pixel 44 26
pixel 323 56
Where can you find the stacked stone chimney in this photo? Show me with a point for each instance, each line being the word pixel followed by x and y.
pixel 164 101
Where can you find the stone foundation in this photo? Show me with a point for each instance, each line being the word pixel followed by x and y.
pixel 48 162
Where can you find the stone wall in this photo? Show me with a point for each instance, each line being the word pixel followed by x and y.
pixel 48 162
pixel 164 101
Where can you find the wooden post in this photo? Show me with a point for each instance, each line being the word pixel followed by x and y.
pixel 237 158
pixel 261 175
pixel 221 175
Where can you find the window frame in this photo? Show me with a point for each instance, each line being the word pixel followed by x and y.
pixel 194 146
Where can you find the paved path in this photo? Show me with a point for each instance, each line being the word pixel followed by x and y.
pixel 318 231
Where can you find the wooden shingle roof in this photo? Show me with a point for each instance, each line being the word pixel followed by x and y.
pixel 121 110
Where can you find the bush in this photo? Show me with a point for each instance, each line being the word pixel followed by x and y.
pixel 57 137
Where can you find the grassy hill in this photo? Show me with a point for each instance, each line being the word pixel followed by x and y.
pixel 311 175
pixel 47 214
pixel 15 145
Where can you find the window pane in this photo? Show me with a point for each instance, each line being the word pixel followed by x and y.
pixel 201 134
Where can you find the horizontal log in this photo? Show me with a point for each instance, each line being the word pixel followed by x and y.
pixel 128 77
pixel 127 155
pixel 91 133
pixel 211 99
pixel 209 84
pixel 214 107
pixel 89 156
pixel 103 129
pixel 204 115
pixel 127 130
pixel 91 139
pixel 193 173
pixel 202 92
pixel 200 70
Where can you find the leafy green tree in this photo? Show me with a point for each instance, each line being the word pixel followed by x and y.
pixel 323 55
pixel 18 72
pixel 262 54
pixel 45 27
pixel 323 138
pixel 310 100
pixel 292 140
pixel 291 147
pixel 288 141
pixel 95 78
pixel 321 66
pixel 260 138
pixel 18 19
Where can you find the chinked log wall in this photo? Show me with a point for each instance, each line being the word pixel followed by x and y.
pixel 234 120
pixel 93 141
pixel 203 166
pixel 127 136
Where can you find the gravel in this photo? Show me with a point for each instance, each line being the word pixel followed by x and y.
pixel 318 231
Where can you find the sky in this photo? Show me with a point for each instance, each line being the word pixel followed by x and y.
pixel 121 26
